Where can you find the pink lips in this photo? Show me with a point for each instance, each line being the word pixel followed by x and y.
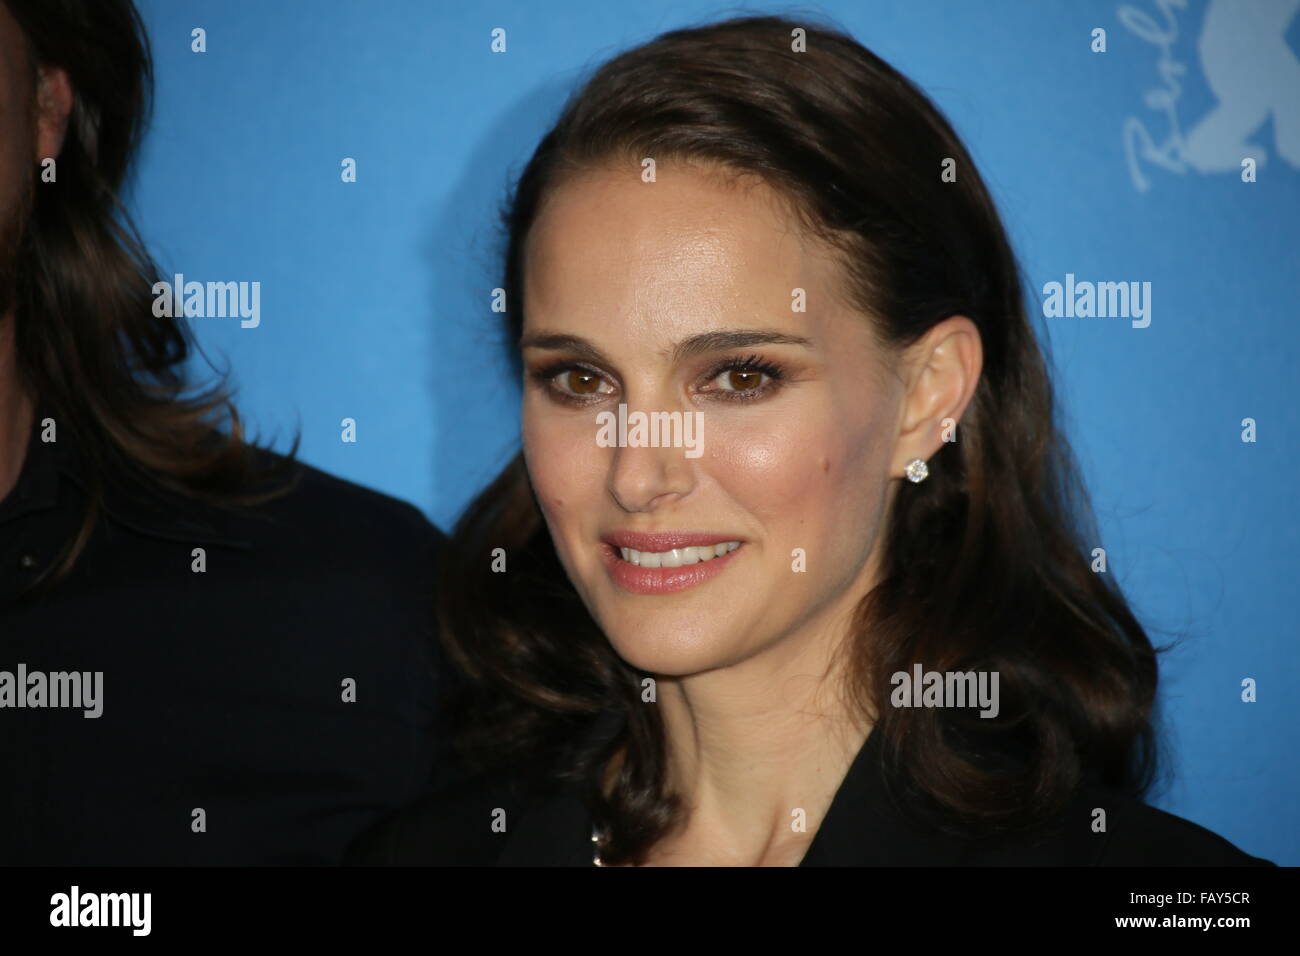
pixel 641 580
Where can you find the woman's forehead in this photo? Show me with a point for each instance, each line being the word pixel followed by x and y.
pixel 609 240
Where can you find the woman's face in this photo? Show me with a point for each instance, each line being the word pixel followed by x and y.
pixel 681 296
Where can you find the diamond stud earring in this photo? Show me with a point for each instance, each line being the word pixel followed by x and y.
pixel 917 470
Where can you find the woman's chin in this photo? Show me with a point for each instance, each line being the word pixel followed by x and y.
pixel 671 652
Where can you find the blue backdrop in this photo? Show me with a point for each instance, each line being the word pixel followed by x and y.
pixel 1122 165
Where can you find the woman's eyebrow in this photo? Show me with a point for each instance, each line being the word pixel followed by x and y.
pixel 560 342
pixel 715 341
pixel 724 339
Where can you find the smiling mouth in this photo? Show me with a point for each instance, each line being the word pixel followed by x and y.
pixel 666 561
pixel 677 557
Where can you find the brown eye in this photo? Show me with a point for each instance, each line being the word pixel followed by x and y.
pixel 744 379
pixel 582 383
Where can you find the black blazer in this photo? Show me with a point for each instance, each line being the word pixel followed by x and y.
pixel 222 690
pixel 551 826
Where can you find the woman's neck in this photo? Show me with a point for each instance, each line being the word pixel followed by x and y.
pixel 757 752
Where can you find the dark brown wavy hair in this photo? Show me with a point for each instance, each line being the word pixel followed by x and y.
pixel 986 563
pixel 89 347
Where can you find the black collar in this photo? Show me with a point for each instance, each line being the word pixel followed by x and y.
pixel 865 827
pixel 56 475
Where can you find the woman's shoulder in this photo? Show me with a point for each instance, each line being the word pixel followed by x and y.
pixel 1138 834
pixel 1102 826
pixel 465 823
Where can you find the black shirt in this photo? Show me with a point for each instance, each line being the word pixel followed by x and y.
pixel 548 825
pixel 225 735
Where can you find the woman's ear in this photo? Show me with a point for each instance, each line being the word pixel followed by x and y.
pixel 943 368
pixel 54 98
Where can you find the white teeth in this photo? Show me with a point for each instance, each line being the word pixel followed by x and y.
pixel 677 556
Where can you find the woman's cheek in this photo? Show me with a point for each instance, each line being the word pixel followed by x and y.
pixel 564 462
pixel 768 468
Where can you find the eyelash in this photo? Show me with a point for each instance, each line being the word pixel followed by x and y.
pixel 547 374
pixel 752 363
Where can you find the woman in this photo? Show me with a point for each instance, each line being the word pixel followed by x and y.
pixel 790 570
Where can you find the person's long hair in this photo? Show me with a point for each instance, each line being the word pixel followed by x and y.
pixel 987 563
pixel 88 345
